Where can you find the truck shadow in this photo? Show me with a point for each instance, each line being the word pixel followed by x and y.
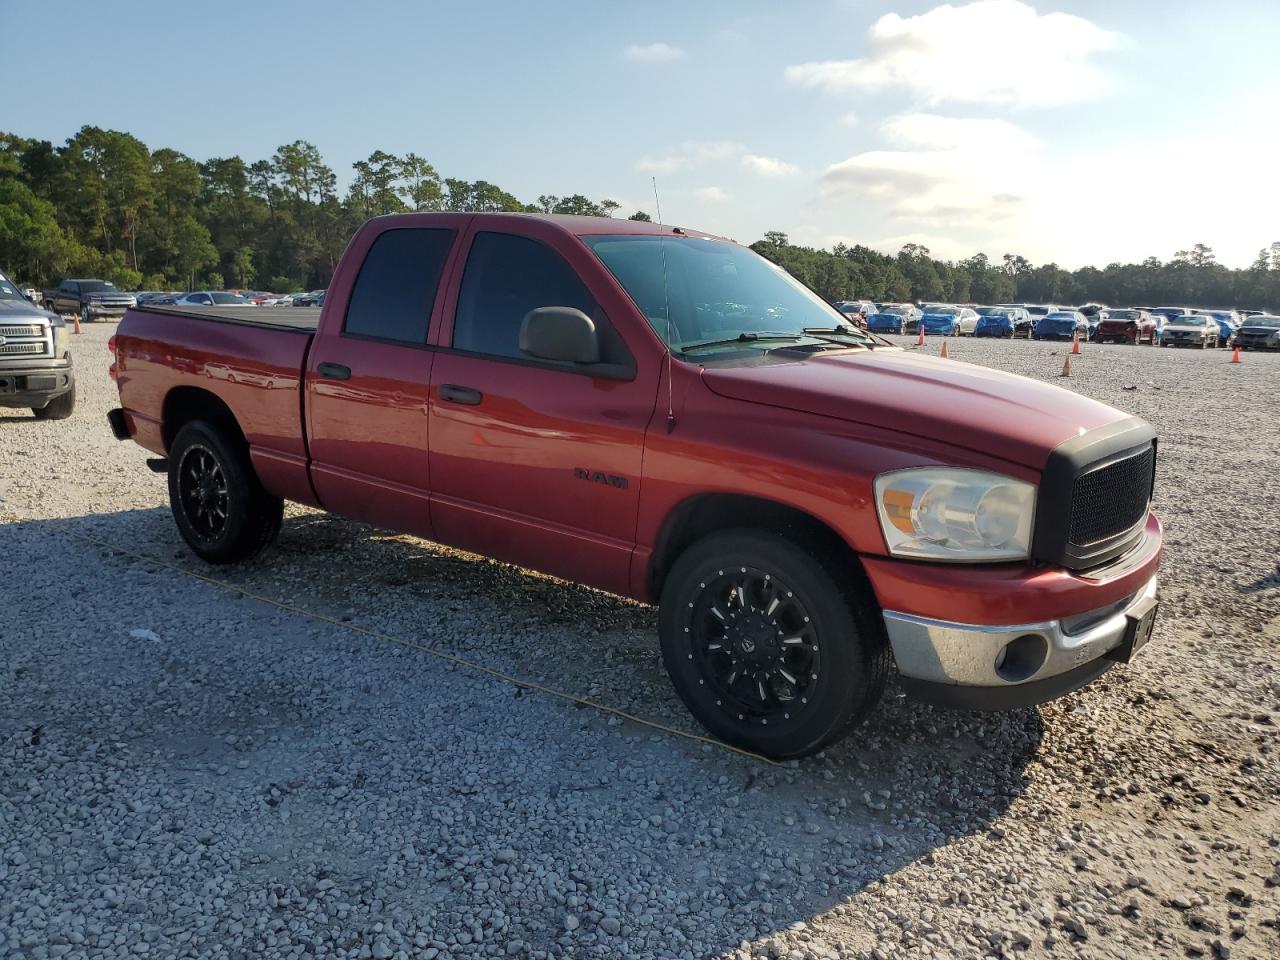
pixel 805 837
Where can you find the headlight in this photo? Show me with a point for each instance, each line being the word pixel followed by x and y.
pixel 60 340
pixel 948 513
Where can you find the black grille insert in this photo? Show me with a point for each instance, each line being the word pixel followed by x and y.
pixel 1110 500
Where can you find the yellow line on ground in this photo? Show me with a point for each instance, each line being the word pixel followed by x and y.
pixel 422 648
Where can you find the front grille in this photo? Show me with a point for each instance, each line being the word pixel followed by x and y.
pixel 33 348
pixel 21 330
pixel 1094 493
pixel 1111 500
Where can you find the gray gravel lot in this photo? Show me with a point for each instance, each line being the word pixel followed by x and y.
pixel 187 771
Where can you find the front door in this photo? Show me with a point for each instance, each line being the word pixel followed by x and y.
pixel 533 462
pixel 368 376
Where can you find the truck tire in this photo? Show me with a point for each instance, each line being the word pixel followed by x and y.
pixel 766 647
pixel 221 509
pixel 59 408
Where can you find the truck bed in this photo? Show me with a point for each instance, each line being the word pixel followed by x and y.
pixel 300 319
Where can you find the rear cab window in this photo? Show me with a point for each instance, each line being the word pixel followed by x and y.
pixel 396 288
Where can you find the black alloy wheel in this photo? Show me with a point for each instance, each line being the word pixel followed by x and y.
pixel 754 643
pixel 220 506
pixel 773 647
pixel 202 487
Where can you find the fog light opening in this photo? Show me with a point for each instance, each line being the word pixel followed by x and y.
pixel 1022 657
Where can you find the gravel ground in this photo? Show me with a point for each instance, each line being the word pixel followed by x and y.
pixel 187 771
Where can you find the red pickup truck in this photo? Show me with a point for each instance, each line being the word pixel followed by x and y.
pixel 665 415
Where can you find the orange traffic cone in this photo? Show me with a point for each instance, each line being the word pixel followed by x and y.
pixel 1066 366
pixel 920 339
pixel 75 322
pixel 1235 356
pixel 1075 344
pixel 944 353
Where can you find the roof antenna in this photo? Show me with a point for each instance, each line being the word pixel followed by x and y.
pixel 666 303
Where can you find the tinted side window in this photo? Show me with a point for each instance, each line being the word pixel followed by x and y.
pixel 506 277
pixel 396 289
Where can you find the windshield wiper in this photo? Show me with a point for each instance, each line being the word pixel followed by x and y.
pixel 748 336
pixel 829 334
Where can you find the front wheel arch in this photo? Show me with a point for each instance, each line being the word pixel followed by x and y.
pixel 700 515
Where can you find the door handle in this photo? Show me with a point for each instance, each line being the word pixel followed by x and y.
pixel 334 371
pixel 455 394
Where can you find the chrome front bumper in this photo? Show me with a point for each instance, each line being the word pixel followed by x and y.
pixel 939 652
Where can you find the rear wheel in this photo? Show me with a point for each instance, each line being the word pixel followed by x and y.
pixel 221 509
pixel 766 649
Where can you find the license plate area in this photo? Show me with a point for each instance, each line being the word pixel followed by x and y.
pixel 1139 624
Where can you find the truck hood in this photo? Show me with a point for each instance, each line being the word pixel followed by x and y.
pixel 12 310
pixel 980 409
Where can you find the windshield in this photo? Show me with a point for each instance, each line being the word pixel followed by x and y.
pixel 226 298
pixel 1124 314
pixel 1060 316
pixel 1264 322
pixel 8 291
pixel 994 312
pixel 1038 311
pixel 943 311
pixel 1188 321
pixel 97 286
pixel 717 291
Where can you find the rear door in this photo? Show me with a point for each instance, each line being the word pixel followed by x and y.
pixel 369 372
pixel 534 462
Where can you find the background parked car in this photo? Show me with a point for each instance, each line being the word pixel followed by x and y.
pixel 1127 326
pixel 1228 325
pixel 949 320
pixel 206 298
pixel 314 298
pixel 1000 321
pixel 894 318
pixel 883 321
pixel 1061 325
pixel 91 299
pixel 1168 312
pixel 1190 330
pixel 1259 333
pixel 1096 319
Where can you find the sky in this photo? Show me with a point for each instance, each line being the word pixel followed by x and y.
pixel 1074 131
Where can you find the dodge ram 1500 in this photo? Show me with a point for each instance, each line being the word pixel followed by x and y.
pixel 664 414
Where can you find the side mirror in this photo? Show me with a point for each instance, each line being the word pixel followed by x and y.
pixel 564 334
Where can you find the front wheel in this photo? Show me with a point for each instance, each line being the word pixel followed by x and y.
pixel 221 509
pixel 59 408
pixel 767 649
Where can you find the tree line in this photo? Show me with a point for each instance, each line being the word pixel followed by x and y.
pixel 1192 278
pixel 105 205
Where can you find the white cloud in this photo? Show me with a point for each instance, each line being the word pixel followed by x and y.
pixel 768 166
pixel 950 172
pixel 989 51
pixel 697 153
pixel 692 153
pixel 652 53
pixel 711 195
pixel 849 119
